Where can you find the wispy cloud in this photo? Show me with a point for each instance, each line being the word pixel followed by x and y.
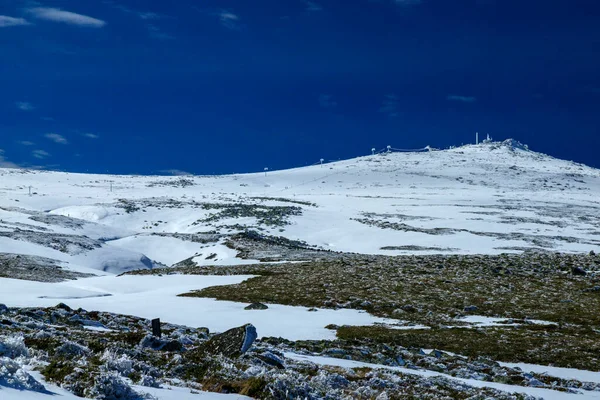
pixel 91 136
pixel 176 172
pixel 153 30
pixel 4 163
pixel 6 21
pixel 327 101
pixel 464 99
pixel 149 15
pixel 311 6
pixel 24 106
pixel 40 154
pixel 390 106
pixel 25 143
pixel 156 33
pixel 67 17
pixel 56 138
pixel 229 20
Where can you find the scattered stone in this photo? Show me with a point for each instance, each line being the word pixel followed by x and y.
pixel 593 289
pixel 409 308
pixel 271 359
pixel 173 345
pixel 63 306
pixel 256 306
pixel 312 309
pixel 578 271
pixel 470 308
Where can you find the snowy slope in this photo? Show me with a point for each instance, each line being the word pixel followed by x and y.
pixel 487 198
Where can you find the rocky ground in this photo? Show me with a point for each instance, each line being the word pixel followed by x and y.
pixel 33 268
pixel 97 355
pixel 460 317
pixel 543 305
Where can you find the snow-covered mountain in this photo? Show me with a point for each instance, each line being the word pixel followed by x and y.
pixel 487 198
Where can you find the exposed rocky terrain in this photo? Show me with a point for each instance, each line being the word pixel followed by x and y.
pixel 96 354
pixel 33 268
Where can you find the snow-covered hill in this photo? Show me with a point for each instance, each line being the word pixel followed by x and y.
pixel 59 230
pixel 487 198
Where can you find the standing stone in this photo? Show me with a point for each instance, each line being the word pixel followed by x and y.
pixel 156 328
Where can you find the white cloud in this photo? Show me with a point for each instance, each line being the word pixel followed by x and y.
pixel 155 32
pixel 25 143
pixel 67 17
pixel 4 163
pixel 176 172
pixel 56 138
pixel 91 135
pixel 24 106
pixel 327 101
pixel 6 21
pixel 40 154
pixel 149 15
pixel 464 99
pixel 229 20
pixel 390 106
pixel 312 6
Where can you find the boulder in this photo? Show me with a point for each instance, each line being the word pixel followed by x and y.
pixel 232 343
pixel 578 271
pixel 3 308
pixel 256 306
pixel 63 306
pixel 271 359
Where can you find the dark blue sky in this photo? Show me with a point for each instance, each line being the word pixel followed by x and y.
pixel 143 86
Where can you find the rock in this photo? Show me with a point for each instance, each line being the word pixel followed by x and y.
pixel 470 308
pixel 398 312
pixel 232 343
pixel 578 271
pixel 271 359
pixel 63 306
pixel 3 308
pixel 409 308
pixel 592 253
pixel 312 309
pixel 173 345
pixel 256 306
pixel 592 289
pixel 382 396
